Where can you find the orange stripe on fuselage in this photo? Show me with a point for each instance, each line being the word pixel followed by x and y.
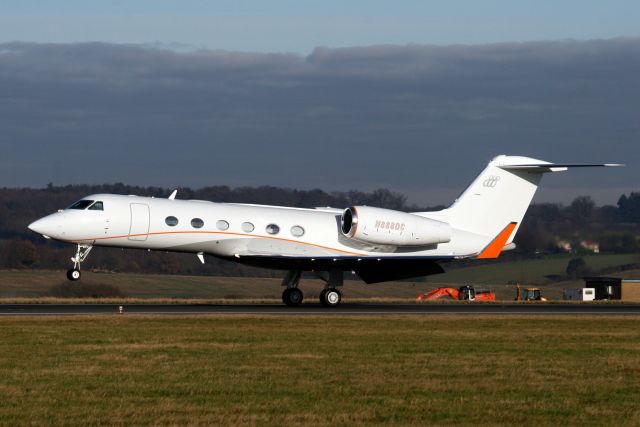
pixel 494 248
pixel 228 233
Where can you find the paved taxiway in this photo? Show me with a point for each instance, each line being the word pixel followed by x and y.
pixel 315 310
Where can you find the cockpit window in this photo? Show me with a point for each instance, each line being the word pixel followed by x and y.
pixel 97 206
pixel 81 204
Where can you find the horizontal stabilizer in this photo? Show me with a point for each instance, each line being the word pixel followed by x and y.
pixel 557 167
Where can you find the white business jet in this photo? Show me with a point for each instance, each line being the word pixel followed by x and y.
pixel 377 244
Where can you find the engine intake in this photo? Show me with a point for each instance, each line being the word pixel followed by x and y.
pixel 388 227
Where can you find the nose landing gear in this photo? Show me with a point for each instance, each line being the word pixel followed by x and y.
pixel 81 254
pixel 73 274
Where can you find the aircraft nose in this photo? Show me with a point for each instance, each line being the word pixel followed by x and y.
pixel 36 226
pixel 47 226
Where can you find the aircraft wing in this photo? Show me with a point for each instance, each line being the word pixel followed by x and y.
pixel 370 269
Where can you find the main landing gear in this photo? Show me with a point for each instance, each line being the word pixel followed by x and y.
pixel 81 254
pixel 292 296
pixel 329 297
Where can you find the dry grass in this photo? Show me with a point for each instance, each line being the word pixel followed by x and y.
pixel 24 285
pixel 308 300
pixel 53 300
pixel 251 370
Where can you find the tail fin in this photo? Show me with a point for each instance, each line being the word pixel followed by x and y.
pixel 496 201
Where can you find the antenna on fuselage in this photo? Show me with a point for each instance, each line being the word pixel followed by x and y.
pixel 173 195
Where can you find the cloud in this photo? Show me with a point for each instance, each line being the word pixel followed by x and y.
pixel 419 119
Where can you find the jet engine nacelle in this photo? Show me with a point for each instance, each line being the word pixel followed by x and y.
pixel 388 227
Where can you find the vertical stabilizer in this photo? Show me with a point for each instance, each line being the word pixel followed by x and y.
pixel 496 201
pixel 497 198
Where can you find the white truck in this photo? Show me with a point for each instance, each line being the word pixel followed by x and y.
pixel 579 294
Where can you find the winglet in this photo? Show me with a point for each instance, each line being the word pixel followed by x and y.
pixel 173 195
pixel 493 249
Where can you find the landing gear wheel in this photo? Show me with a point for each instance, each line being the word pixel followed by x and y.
pixel 73 274
pixel 322 295
pixel 292 297
pixel 81 254
pixel 330 297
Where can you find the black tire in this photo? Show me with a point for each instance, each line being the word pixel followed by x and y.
pixel 73 274
pixel 292 297
pixel 285 296
pixel 331 298
pixel 322 294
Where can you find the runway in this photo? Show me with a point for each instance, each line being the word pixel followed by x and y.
pixel 317 310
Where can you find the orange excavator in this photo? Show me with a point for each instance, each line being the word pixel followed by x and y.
pixel 463 293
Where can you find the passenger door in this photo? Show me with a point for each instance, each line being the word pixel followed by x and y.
pixel 140 219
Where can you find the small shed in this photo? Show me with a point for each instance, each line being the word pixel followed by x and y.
pixel 579 294
pixel 614 288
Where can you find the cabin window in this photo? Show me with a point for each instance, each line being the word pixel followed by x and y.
pixel 297 231
pixel 222 225
pixel 197 223
pixel 247 227
pixel 171 221
pixel 81 204
pixel 97 206
pixel 273 229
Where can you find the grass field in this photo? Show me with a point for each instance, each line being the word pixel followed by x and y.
pixel 443 370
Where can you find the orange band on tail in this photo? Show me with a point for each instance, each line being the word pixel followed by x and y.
pixel 494 248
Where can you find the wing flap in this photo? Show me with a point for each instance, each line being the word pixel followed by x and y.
pixel 398 270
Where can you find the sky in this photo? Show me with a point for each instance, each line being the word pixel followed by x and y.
pixel 300 26
pixel 414 96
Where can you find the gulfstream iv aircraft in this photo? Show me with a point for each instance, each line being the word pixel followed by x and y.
pixel 377 244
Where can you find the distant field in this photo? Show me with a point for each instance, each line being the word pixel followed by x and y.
pixel 499 276
pixel 320 371
pixel 37 283
pixel 532 271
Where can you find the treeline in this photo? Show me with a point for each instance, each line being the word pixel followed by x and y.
pixel 547 227
pixel 582 226
pixel 18 207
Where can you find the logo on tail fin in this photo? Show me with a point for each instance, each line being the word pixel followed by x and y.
pixel 491 182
